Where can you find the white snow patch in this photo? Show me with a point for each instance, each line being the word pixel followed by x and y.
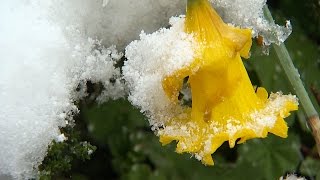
pixel 61 138
pixel 249 14
pixel 292 177
pixel 117 22
pixel 150 60
pixel 41 66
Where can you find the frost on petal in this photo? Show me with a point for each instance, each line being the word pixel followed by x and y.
pixel 203 138
pixel 249 14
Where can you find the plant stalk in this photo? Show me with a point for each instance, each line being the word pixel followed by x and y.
pixel 294 78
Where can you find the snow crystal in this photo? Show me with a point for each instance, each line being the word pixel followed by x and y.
pixel 105 3
pixel 249 14
pixel 267 116
pixel 152 58
pixel 91 61
pixel 61 138
pixel 41 66
pixel 292 177
pixel 90 151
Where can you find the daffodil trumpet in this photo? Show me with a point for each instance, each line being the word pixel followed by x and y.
pixel 225 105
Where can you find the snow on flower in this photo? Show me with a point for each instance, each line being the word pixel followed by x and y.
pixel 203 51
pixel 249 14
pixel 149 60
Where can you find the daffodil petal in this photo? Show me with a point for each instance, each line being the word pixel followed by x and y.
pixel 225 106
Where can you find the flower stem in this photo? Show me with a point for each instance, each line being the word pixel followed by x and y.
pixel 294 78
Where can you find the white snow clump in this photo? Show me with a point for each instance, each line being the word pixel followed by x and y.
pixel 292 177
pixel 46 54
pixel 41 66
pixel 150 60
pixel 249 14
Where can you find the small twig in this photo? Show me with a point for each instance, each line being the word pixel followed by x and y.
pixel 314 123
pixel 294 78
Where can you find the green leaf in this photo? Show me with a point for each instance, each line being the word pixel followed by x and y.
pixel 113 117
pixel 137 153
pixel 268 158
pixel 310 167
pixel 137 172
pixel 172 165
pixel 61 155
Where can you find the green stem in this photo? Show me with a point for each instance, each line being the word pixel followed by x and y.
pixel 294 78
pixel 292 74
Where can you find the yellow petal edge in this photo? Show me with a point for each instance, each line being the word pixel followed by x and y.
pixel 225 105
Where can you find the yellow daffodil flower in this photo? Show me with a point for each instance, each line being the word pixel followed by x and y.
pixel 225 105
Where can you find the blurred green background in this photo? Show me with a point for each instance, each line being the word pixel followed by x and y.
pixel 124 147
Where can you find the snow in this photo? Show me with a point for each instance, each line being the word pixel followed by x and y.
pixel 49 48
pixel 41 66
pixel 61 138
pixel 249 14
pixel 292 177
pixel 117 22
pixel 152 58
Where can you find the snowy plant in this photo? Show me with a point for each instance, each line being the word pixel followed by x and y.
pixel 186 76
pixel 225 107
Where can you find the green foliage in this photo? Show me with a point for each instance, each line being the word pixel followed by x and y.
pixel 311 167
pixel 136 152
pixel 306 14
pixel 61 154
pixel 269 158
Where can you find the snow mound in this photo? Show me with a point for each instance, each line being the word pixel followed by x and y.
pixel 41 66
